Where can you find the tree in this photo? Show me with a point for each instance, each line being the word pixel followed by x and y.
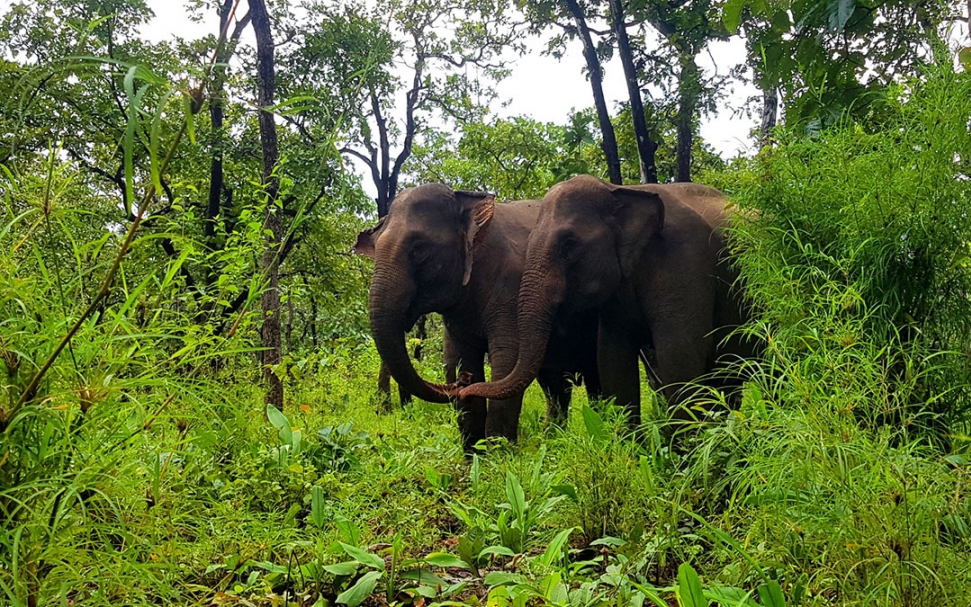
pixel 270 182
pixel 687 27
pixel 834 61
pixel 414 57
pixel 515 158
pixel 573 21
pixel 646 146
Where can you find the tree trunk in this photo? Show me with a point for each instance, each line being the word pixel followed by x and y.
pixel 596 83
pixel 216 115
pixel 688 83
pixel 270 299
pixel 770 109
pixel 646 147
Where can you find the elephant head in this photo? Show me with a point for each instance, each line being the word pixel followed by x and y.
pixel 587 239
pixel 423 252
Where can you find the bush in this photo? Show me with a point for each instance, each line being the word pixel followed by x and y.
pixel 859 260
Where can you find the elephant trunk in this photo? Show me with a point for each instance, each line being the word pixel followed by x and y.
pixel 539 297
pixel 388 306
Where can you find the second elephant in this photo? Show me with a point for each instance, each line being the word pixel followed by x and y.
pixel 652 261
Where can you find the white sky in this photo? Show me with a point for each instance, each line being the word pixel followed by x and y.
pixel 540 87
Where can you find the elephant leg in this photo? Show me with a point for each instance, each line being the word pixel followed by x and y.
pixel 617 360
pixel 557 389
pixel 404 396
pixel 503 415
pixel 472 412
pixel 682 354
pixel 591 381
pixel 384 387
pixel 450 357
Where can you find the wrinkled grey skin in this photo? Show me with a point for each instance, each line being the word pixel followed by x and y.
pixel 460 254
pixel 652 261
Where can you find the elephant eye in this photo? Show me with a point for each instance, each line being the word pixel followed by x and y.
pixel 420 250
pixel 570 247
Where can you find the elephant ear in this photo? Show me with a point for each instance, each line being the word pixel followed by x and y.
pixel 365 240
pixel 639 217
pixel 477 211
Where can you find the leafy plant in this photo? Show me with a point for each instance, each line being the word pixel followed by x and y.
pixel 395 577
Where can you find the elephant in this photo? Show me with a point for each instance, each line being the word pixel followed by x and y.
pixel 653 262
pixel 461 254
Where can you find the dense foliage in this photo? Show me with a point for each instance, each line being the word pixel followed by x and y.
pixel 139 464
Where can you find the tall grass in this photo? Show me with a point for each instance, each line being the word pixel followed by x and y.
pixel 845 468
pixel 861 250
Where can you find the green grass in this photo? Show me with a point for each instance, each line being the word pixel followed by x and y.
pixel 203 510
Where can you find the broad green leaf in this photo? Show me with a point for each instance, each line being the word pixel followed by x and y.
pixel 271 567
pixel 443 559
pixel 727 595
pixel 732 14
pixel 345 568
pixel 651 593
pixel 956 460
pixel 555 550
pixel 318 512
pixel 567 490
pixel 608 541
pixel 770 594
pixel 423 576
pixel 280 422
pixel 190 121
pixel 296 438
pixel 155 140
pixel 689 590
pixel 503 578
pixel 498 551
pixel 515 495
pixel 839 12
pixel 964 56
pixel 362 589
pixel 596 428
pixel 363 556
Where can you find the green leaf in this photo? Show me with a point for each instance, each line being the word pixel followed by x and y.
pixel 689 590
pixel 281 423
pixel 732 14
pixel 296 438
pixel 503 578
pixel 567 490
pixel 363 556
pixel 318 512
pixel 596 428
pixel 443 559
pixel 608 541
pixel 964 56
pixel 515 495
pixel 423 576
pixel 770 594
pixel 839 12
pixel 727 595
pixel 190 122
pixel 362 589
pixel 346 568
pixel 555 550
pixel 498 551
pixel 956 460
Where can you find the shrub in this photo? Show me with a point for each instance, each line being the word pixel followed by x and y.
pixel 860 254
